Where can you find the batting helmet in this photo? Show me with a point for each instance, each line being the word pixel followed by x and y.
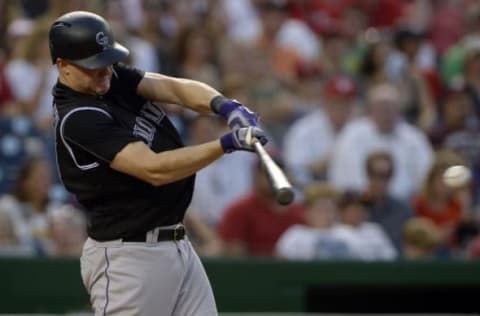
pixel 85 39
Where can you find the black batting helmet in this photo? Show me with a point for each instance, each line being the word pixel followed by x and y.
pixel 84 39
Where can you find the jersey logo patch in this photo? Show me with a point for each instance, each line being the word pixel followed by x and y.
pixel 147 121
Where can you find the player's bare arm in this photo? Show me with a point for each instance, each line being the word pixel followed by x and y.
pixel 165 167
pixel 172 165
pixel 197 96
pixel 190 93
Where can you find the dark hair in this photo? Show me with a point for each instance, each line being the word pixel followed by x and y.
pixel 350 197
pixel 368 66
pixel 23 174
pixel 184 39
pixel 404 35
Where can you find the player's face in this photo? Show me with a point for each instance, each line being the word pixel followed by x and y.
pixel 90 81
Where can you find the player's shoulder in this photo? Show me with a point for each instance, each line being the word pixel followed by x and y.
pixel 127 74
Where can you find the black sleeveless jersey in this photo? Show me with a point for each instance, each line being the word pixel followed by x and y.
pixel 90 131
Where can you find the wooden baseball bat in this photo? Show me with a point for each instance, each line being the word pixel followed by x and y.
pixel 281 187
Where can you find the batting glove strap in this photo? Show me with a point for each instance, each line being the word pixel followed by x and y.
pixel 236 114
pixel 223 106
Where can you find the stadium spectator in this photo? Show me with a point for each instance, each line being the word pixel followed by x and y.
pixel 471 68
pixel 30 200
pixel 15 237
pixel 457 124
pixel 67 231
pixel 373 67
pixel 30 75
pixel 252 224
pixel 212 182
pixel 381 129
pixel 390 213
pixel 308 144
pixel 204 239
pixel 421 239
pixel 365 240
pixel 196 56
pixel 286 42
pixel 316 239
pixel 5 93
pixel 437 200
pixel 416 96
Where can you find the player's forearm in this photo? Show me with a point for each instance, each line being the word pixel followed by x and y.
pixel 189 93
pixel 195 95
pixel 170 166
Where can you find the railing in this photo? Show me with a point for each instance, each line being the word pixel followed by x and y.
pixel 54 286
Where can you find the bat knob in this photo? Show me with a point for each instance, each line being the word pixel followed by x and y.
pixel 284 196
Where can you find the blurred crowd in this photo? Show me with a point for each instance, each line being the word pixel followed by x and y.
pixel 368 104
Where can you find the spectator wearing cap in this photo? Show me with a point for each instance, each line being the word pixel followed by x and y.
pixel 309 142
pixel 381 129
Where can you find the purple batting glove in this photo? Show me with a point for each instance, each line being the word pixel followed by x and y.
pixel 236 114
pixel 243 138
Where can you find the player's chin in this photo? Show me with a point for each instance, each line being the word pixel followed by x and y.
pixel 102 89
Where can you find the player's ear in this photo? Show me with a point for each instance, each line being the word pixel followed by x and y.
pixel 62 65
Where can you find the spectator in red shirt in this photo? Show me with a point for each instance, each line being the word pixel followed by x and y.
pixel 437 201
pixel 252 225
pixel 5 93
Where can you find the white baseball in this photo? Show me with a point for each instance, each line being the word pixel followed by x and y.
pixel 457 176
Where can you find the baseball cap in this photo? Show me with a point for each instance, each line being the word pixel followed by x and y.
pixel 341 85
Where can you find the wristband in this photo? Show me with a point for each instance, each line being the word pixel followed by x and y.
pixel 227 143
pixel 223 106
pixel 216 103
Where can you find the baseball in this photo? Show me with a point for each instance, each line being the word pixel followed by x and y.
pixel 457 176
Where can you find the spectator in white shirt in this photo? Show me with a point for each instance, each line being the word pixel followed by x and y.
pixel 365 240
pixel 309 142
pixel 30 75
pixel 314 239
pixel 223 181
pixel 381 129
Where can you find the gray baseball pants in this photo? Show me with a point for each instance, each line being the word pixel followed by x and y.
pixel 146 279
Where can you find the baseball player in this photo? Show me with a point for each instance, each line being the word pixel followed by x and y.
pixel 121 157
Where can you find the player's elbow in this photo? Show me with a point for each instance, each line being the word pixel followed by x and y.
pixel 156 178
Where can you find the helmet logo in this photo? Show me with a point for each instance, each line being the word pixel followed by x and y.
pixel 102 39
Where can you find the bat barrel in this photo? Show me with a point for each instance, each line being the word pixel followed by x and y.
pixel 284 196
pixel 281 187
